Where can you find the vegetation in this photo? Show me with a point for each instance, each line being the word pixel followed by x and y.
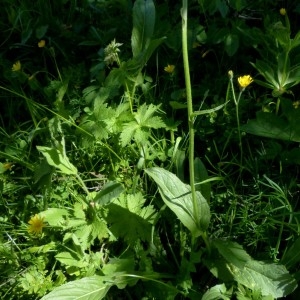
pixel 149 149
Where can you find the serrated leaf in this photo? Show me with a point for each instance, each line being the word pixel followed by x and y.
pixel 177 196
pixel 57 158
pixel 143 25
pixel 271 279
pixel 89 288
pixel 129 219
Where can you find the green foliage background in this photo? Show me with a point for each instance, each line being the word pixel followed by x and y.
pixel 95 139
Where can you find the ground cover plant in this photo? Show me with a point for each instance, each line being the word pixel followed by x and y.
pixel 149 149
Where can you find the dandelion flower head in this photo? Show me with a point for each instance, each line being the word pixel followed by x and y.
pixel 36 224
pixel 245 80
pixel 169 69
pixel 16 66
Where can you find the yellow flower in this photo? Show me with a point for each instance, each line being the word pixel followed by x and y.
pixel 244 81
pixel 41 43
pixel 36 224
pixel 16 66
pixel 169 69
pixel 282 11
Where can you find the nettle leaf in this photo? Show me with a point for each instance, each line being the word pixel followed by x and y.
pixel 57 158
pixel 177 196
pixel 88 288
pixel 271 279
pixel 129 219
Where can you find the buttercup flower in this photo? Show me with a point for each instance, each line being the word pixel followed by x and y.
pixel 169 69
pixel 244 81
pixel 230 74
pixel 16 66
pixel 41 43
pixel 36 225
pixel 282 11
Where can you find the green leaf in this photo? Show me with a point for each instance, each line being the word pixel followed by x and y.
pixel 109 191
pixel 217 292
pixel 41 31
pixel 143 25
pixel 272 126
pixel 201 175
pixel 68 259
pixel 89 288
pixel 271 279
pixel 129 219
pixel 55 216
pixel 177 196
pixel 232 252
pixel 139 129
pixel 58 159
pixel 231 44
pixel 291 257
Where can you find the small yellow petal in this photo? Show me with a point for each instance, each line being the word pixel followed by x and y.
pixel 16 66
pixel 41 43
pixel 245 80
pixel 36 224
pixel 282 11
pixel 169 69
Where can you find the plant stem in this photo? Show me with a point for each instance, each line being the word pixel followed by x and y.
pixel 236 102
pixel 189 105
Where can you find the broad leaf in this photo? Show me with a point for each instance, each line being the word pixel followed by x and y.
pixel 232 252
pixel 57 158
pixel 177 196
pixel 143 25
pixel 272 126
pixel 129 218
pixel 89 288
pixel 271 279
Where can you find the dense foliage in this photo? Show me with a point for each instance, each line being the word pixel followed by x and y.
pixel 149 149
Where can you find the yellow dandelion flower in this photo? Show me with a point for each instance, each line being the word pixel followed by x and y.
pixel 282 11
pixel 41 43
pixel 16 66
pixel 244 81
pixel 36 224
pixel 169 69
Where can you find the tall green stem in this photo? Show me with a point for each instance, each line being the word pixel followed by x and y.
pixel 189 104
